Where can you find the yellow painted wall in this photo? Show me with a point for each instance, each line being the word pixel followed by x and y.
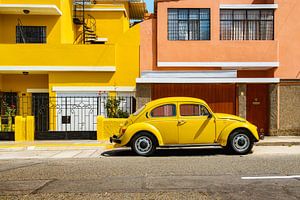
pixel 68 30
pixel 20 83
pixel 109 25
pixel 10 23
pixel 121 50
pixel 126 62
pixel 57 55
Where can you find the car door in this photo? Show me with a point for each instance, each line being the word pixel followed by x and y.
pixel 195 124
pixel 164 118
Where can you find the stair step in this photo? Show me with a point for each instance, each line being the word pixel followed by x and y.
pixel 89 30
pixel 93 34
pixel 98 41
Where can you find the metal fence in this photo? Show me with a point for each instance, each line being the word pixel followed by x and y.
pixel 77 114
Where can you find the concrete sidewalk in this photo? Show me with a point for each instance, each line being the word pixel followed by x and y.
pixel 279 141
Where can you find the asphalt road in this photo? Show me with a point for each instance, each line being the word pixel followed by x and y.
pixel 197 173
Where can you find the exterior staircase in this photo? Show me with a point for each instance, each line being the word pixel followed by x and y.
pixel 87 35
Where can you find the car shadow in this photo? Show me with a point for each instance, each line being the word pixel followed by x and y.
pixel 169 152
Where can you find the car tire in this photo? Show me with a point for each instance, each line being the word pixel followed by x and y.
pixel 239 142
pixel 144 144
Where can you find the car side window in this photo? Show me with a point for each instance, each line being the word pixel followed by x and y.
pixel 168 110
pixel 193 110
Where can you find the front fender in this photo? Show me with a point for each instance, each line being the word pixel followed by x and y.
pixel 138 127
pixel 224 135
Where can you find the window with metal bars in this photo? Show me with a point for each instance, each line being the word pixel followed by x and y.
pixel 188 24
pixel 247 24
pixel 31 34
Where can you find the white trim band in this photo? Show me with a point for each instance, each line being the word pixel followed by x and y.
pixel 59 68
pixel 190 74
pixel 93 88
pixel 207 80
pixel 37 90
pixel 248 6
pixel 218 64
pixel 105 10
pixel 35 7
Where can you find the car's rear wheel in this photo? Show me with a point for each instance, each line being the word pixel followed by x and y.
pixel 240 142
pixel 143 144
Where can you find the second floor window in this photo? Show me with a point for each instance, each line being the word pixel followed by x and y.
pixel 247 24
pixel 31 34
pixel 188 24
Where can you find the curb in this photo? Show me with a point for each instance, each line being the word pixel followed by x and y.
pixel 54 146
pixel 277 143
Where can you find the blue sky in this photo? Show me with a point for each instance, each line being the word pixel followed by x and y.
pixel 150 5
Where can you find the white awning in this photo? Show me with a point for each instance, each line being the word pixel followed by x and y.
pixel 34 9
pixel 227 65
pixel 212 76
pixel 93 88
pixel 207 80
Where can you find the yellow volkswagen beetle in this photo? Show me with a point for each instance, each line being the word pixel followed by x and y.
pixel 184 121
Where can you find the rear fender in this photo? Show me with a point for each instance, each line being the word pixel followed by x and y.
pixel 140 127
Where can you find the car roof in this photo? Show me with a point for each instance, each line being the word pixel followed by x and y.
pixel 172 99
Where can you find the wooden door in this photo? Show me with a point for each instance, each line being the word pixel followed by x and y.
pixel 220 97
pixel 257 106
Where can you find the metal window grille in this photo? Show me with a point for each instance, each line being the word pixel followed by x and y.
pixel 246 24
pixel 31 34
pixel 188 24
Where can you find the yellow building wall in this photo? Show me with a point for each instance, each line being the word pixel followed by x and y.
pixel 109 25
pixel 60 29
pixel 121 50
pixel 10 22
pixel 68 30
pixel 20 83
pixel 126 62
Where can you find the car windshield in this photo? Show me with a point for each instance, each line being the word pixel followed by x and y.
pixel 139 110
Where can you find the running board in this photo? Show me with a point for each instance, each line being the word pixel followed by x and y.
pixel 189 145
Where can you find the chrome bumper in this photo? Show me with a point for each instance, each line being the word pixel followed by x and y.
pixel 115 139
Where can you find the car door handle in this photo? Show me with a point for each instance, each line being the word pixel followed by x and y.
pixel 181 122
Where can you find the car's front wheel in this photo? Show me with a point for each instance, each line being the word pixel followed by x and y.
pixel 143 144
pixel 240 142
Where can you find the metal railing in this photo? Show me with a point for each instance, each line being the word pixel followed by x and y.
pixel 63 113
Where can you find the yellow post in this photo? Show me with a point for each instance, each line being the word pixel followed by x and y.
pixel 30 128
pixel 100 127
pixel 20 130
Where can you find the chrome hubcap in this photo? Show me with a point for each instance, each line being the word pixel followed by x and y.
pixel 143 145
pixel 241 142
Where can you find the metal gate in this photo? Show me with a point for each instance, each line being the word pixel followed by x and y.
pixel 73 117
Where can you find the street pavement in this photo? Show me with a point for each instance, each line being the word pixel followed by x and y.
pixel 270 172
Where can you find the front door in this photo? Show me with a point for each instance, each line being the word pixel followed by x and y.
pixel 196 126
pixel 257 106
pixel 40 109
